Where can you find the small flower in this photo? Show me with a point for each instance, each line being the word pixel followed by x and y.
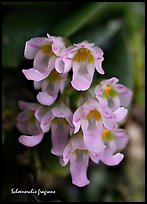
pixel 28 125
pixel 112 94
pixel 44 51
pixel 50 87
pixel 114 140
pixel 77 153
pixel 91 117
pixel 86 57
pixel 59 119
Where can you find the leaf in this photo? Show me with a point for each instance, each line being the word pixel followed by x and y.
pixel 118 62
pixel 100 34
pixel 89 13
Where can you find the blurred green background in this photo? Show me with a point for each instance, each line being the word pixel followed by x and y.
pixel 118 28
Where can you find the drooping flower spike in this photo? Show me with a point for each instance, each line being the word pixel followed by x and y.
pixel 112 94
pixel 92 132
pixel 86 57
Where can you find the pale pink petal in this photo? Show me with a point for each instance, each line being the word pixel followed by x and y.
pixel 40 112
pixel 51 64
pixel 46 121
pixel 108 117
pixel 45 99
pixel 84 44
pixel 112 80
pixel 34 74
pixel 82 75
pixel 125 99
pixel 61 111
pixel 59 65
pixel 113 160
pixel 97 51
pixel 28 106
pixel 31 141
pixel 59 135
pixel 57 44
pixel 78 169
pixel 120 114
pixel 77 119
pixel 32 47
pixel 80 83
pixel 68 64
pixel 41 61
pixel 95 157
pixel 67 152
pixel 92 133
pixel 121 138
pixel 98 65
pixel 125 94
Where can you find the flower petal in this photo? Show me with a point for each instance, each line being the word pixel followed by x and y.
pixel 82 79
pixel 45 99
pixel 113 160
pixel 120 114
pixel 78 169
pixel 92 135
pixel 108 117
pixel 28 106
pixel 98 65
pixel 121 138
pixel 112 80
pixel 125 94
pixel 31 141
pixel 46 121
pixel 34 74
pixel 59 138
pixel 95 157
pixel 77 119
pixel 59 65
pixel 32 47
pixel 61 111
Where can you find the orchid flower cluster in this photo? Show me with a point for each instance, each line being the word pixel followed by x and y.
pixel 91 131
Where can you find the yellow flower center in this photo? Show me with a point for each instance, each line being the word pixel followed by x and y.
pixel 108 89
pixel 83 55
pixel 54 76
pixel 46 49
pixel 60 121
pixel 93 114
pixel 106 135
pixel 79 151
